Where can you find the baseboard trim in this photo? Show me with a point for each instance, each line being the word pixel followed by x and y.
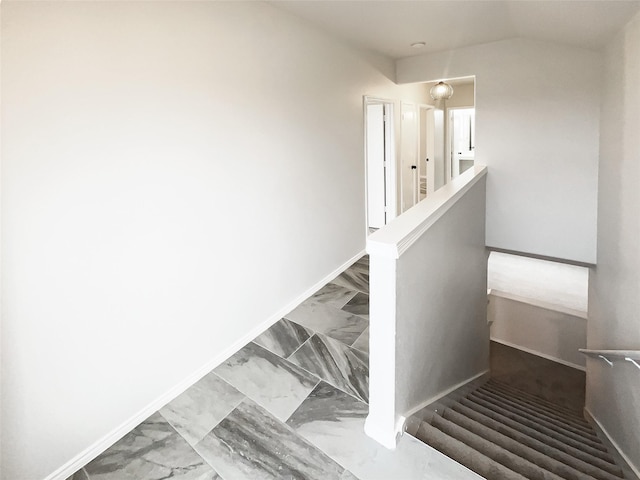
pixel 80 460
pixel 613 444
pixel 439 396
pixel 539 354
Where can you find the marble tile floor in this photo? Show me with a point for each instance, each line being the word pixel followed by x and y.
pixel 291 404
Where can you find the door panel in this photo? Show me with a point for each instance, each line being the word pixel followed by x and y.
pixel 409 155
pixel 375 166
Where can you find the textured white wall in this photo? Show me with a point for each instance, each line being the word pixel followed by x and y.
pixel 547 332
pixel 428 307
pixel 442 336
pixel 173 175
pixel 553 284
pixel 613 394
pixel 537 130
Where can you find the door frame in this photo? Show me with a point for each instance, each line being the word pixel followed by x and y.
pixel 389 155
pixel 426 129
pixel 449 138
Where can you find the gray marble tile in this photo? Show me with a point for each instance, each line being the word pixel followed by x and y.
pixel 330 321
pixel 362 343
pixel 274 383
pixel 358 305
pixel 347 475
pixel 334 422
pixel 283 338
pixel 336 364
pixel 332 294
pixel 79 475
pixel 201 407
pixel 151 451
pixel 252 444
pixel 354 278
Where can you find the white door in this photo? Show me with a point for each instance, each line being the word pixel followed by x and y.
pixel 409 155
pixel 462 137
pixel 426 163
pixel 375 166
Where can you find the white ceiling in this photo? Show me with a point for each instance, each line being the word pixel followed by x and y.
pixel 390 27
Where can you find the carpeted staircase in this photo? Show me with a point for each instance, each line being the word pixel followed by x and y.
pixel 503 433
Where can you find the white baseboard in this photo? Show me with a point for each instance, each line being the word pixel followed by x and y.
pixel 444 393
pixel 84 457
pixel 619 452
pixel 539 354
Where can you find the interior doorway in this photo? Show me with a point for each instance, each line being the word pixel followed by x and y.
pixel 462 142
pixel 417 150
pixel 380 165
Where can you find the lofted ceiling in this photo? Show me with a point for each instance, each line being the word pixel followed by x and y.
pixel 390 27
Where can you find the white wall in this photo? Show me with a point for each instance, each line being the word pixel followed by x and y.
pixel 463 96
pixel 546 332
pixel 537 130
pixel 442 335
pixel 551 284
pixel 174 174
pixel 613 394
pixel 428 330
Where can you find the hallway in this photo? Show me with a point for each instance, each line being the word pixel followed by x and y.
pixel 290 404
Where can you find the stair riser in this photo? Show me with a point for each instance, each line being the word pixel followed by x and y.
pixel 550 417
pixel 493 451
pixel 464 454
pixel 542 456
pixel 525 395
pixel 522 417
pixel 540 408
pixel 578 459
pixel 486 409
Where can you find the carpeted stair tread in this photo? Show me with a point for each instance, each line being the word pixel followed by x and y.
pixel 542 456
pixel 535 398
pixel 464 454
pixel 495 452
pixel 523 424
pixel 503 433
pixel 536 431
pixel 578 459
pixel 536 421
pixel 538 400
pixel 571 420
pixel 550 417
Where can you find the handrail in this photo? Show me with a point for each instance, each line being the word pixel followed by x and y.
pixel 606 355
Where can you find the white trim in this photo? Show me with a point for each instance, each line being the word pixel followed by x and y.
pixel 391 196
pixel 446 392
pixel 80 460
pixel 396 238
pixel 539 303
pixel 540 354
pixel 382 424
pixel 630 464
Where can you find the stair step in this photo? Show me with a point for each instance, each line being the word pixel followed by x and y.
pixel 532 428
pixel 542 456
pixel 549 417
pixel 534 398
pixel 495 452
pixel 539 408
pixel 574 457
pixel 465 455
pixel 536 422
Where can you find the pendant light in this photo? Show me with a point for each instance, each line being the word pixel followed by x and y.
pixel 441 91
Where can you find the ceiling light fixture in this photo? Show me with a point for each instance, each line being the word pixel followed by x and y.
pixel 441 91
pixel 418 44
